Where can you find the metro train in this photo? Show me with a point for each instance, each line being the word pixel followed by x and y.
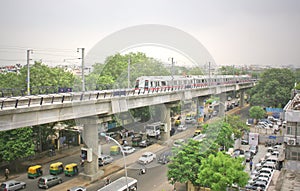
pixel 160 83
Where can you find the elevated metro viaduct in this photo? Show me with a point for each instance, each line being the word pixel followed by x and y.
pixel 92 108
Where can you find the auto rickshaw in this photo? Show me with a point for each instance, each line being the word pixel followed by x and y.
pixel 34 171
pixel 114 150
pixel 71 169
pixel 56 168
pixel 136 141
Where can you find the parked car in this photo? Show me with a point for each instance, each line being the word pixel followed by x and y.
pixel 146 143
pixel 181 128
pixel 105 159
pixel 147 157
pixel 128 150
pixel 244 142
pixel 164 157
pixel 12 185
pixel 77 188
pixel 49 181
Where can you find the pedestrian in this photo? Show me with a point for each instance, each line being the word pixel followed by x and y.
pixel 251 164
pixel 107 181
pixel 6 173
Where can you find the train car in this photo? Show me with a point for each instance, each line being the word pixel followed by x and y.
pixel 166 83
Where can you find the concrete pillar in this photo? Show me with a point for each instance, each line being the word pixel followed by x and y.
pixel 222 105
pixel 90 140
pixel 242 98
pixel 165 110
pixel 201 109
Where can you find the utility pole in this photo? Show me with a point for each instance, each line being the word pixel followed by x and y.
pixel 82 67
pixel 209 83
pixel 128 77
pixel 28 71
pixel 172 71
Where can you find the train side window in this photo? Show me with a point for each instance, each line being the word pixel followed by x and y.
pixel 163 83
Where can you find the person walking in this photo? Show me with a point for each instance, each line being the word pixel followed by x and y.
pixel 251 164
pixel 6 173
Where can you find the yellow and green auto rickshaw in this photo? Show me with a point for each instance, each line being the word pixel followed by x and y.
pixel 71 169
pixel 114 150
pixel 56 168
pixel 34 171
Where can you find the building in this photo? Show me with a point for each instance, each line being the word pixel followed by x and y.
pixel 292 128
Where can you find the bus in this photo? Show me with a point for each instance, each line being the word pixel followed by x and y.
pixel 120 185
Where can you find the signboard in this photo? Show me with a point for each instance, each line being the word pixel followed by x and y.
pixel 272 137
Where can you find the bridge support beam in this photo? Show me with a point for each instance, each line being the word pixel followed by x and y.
pixel 242 98
pixel 200 109
pixel 222 105
pixel 90 139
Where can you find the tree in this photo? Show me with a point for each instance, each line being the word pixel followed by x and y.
pixel 219 132
pixel 187 160
pixel 16 144
pixel 257 112
pixel 238 125
pixel 273 88
pixel 221 171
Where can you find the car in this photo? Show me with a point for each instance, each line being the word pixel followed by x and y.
pixel 146 143
pixel 181 128
pixel 12 185
pixel 147 157
pixel 244 142
pixel 178 142
pixel 164 157
pixel 128 150
pixel 105 159
pixel 77 188
pixel 190 120
pixel 260 184
pixel 275 153
pixel 270 149
pixel 253 149
pixel 49 181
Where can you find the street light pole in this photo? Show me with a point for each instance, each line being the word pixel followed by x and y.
pixel 28 71
pixel 82 67
pixel 125 167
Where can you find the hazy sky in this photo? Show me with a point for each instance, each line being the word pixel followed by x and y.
pixel 235 32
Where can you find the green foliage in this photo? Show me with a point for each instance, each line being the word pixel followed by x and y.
pixel 221 171
pixel 186 162
pixel 114 71
pixel 257 112
pixel 16 144
pixel 237 124
pixel 273 89
pixel 219 132
pixel 230 70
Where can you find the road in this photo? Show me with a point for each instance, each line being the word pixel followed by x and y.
pixel 155 178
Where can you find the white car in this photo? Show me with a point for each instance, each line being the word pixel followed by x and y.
pixel 178 142
pixel 128 150
pixel 181 128
pixel 147 157
pixel 190 120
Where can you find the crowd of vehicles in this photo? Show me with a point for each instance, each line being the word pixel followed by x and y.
pixel 263 171
pixel 160 83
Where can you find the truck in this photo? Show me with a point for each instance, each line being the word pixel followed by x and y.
pixel 154 129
